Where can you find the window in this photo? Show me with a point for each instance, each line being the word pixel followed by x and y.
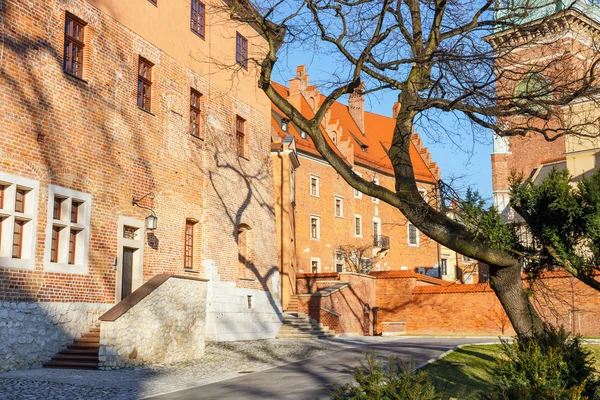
pixel 243 250
pixel 315 227
pixel 339 261
pixel 303 135
pixel 467 260
pixel 357 226
pixel 68 232
pixel 196 124
pixel 241 50
pixel 155 2
pixel 376 228
pixel 314 186
pixel 339 207
pixel 240 135
pixel 315 265
pixel 144 89
pixel 357 193
pixel 73 57
pixel 444 266
pixel 413 235
pixel 423 193
pixel 18 219
pixel 292 186
pixel 375 199
pixel 188 251
pixel 198 17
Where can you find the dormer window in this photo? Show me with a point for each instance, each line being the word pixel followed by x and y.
pixel 364 148
pixel 303 134
pixel 284 124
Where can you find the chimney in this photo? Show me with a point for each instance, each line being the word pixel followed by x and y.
pixel 395 109
pixel 356 106
pixel 297 86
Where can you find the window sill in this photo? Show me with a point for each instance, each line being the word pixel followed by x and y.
pixel 75 77
pixel 196 137
pixel 243 157
pixel 201 36
pixel 339 216
pixel 190 271
pixel 316 239
pixel 413 245
pixel 316 196
pixel 146 111
pixel 248 279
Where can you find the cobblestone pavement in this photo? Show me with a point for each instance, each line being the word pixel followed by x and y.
pixel 221 361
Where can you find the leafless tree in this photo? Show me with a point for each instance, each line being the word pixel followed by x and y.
pixel 439 56
pixel 358 258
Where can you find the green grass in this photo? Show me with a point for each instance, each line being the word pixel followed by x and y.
pixel 468 370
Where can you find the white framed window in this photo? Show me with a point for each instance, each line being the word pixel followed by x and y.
pixel 315 265
pixel 423 193
pixel 357 225
pixel 315 227
pixel 357 193
pixel 67 231
pixel 413 235
pixel 340 262
pixel 18 221
pixel 444 266
pixel 292 185
pixel 338 206
pixel 314 186
pixel 467 260
pixel 375 199
pixel 376 227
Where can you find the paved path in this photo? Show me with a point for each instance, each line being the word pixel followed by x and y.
pixel 310 379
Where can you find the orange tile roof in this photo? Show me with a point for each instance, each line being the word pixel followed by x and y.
pixel 378 133
pixel 471 288
pixel 409 274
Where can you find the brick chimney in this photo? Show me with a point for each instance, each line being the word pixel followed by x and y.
pixel 395 109
pixel 297 86
pixel 356 106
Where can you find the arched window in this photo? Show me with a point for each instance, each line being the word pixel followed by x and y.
pixel 533 88
pixel 244 250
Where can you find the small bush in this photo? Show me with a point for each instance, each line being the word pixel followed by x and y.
pixel 552 365
pixel 398 381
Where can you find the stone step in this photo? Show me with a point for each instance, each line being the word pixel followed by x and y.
pixel 303 329
pixel 80 351
pixel 83 346
pixel 93 358
pixel 88 340
pixel 92 335
pixel 71 364
pixel 299 337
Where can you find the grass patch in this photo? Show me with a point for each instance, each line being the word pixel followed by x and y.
pixel 468 371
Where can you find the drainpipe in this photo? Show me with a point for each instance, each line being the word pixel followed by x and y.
pixel 282 225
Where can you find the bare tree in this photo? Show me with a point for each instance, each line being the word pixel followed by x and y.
pixel 439 56
pixel 358 258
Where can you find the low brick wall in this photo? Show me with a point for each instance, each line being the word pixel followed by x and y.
pixel 311 283
pixel 167 325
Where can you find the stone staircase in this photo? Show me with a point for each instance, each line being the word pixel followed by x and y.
pixel 300 326
pixel 293 304
pixel 81 354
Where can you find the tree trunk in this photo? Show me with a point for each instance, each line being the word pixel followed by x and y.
pixel 508 286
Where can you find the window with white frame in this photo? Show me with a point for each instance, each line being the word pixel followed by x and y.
pixel 338 206
pixel 413 235
pixel 376 227
pixel 339 261
pixel 18 220
pixel 315 265
pixel 315 227
pixel 375 199
pixel 292 185
pixel 467 260
pixel 68 231
pixel 357 226
pixel 314 186
pixel 423 193
pixel 444 266
pixel 357 193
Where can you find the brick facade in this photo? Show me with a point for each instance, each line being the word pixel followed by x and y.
pixel 88 135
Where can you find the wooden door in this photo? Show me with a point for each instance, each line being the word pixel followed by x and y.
pixel 127 272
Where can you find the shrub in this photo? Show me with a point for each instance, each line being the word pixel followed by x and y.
pixel 397 380
pixel 551 365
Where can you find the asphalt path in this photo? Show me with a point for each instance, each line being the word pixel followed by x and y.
pixel 312 378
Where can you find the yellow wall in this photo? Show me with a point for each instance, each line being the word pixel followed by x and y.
pixel 168 27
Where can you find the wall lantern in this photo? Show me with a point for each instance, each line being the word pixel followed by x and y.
pixel 152 219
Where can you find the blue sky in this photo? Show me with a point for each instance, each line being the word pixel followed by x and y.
pixel 463 156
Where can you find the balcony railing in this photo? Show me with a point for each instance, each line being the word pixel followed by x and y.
pixel 381 241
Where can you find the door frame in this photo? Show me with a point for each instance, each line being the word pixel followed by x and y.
pixel 138 256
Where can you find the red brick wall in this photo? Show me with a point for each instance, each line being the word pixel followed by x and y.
pixel 91 137
pixel 336 231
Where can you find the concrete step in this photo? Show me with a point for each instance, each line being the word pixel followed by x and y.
pixel 83 346
pixel 71 364
pixel 76 358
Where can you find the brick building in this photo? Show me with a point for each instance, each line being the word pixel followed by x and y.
pixel 331 219
pixel 552 46
pixel 103 102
